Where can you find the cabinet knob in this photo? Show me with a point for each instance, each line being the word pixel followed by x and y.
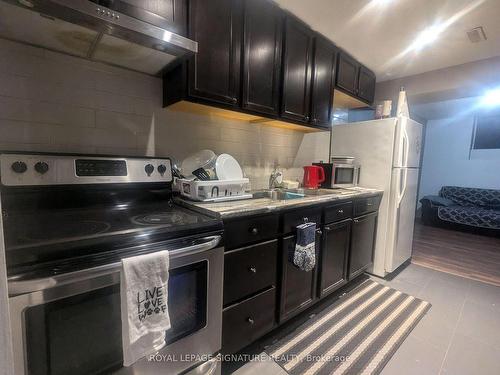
pixel 234 100
pixel 319 231
pixel 341 211
pixel 306 118
pixel 305 219
pixel 253 269
pixel 250 320
pixel 255 231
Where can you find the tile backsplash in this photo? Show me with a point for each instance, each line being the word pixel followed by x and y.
pixel 58 103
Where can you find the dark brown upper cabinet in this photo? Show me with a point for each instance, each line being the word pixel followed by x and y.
pixel 257 59
pixel 323 82
pixel 355 79
pixel 347 74
pixel 297 71
pixel 262 42
pixel 214 72
pixel 169 14
pixel 366 86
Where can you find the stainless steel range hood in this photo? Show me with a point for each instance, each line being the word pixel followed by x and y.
pixel 85 29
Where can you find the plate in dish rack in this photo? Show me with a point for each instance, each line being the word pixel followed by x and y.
pixel 228 168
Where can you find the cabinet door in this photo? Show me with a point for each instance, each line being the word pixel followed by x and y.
pixel 366 85
pixel 323 82
pixel 297 64
pixel 362 244
pixel 214 72
pixel 334 253
pixel 347 74
pixel 298 288
pixel 167 14
pixel 261 56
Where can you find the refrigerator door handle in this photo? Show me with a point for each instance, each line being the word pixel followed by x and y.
pixel 402 184
pixel 406 149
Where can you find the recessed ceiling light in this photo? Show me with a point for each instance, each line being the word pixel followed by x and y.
pixel 427 37
pixel 491 98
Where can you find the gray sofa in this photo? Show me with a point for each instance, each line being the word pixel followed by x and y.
pixel 471 209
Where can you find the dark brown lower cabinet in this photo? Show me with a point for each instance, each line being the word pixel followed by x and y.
pixel 362 244
pixel 298 288
pixel 249 270
pixel 245 322
pixel 334 256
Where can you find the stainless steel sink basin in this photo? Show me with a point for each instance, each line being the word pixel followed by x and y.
pixel 287 194
pixel 278 194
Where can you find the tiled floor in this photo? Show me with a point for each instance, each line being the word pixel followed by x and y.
pixel 459 335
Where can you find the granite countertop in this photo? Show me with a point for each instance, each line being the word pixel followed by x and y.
pixel 239 208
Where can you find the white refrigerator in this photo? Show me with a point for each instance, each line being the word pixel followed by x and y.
pixel 388 152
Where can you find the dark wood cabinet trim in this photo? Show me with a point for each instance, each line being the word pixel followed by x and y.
pixel 246 103
pixel 286 113
pixel 324 291
pixel 232 97
pixel 344 57
pixel 315 121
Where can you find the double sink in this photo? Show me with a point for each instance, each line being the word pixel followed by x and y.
pixel 279 194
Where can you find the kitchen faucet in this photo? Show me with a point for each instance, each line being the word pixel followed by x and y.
pixel 276 178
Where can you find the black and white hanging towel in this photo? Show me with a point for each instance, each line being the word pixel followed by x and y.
pixel 144 309
pixel 304 256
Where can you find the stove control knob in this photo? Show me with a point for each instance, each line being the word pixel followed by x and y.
pixel 19 166
pixel 162 169
pixel 149 169
pixel 41 167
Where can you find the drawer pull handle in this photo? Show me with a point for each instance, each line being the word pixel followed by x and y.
pixel 250 320
pixel 369 204
pixel 253 269
pixel 255 231
pixel 341 211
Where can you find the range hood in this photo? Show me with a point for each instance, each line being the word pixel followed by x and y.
pixel 83 28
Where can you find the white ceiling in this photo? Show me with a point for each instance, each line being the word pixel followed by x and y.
pixel 378 32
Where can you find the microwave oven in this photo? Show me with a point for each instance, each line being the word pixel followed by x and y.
pixel 339 175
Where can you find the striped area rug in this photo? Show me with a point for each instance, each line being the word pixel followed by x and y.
pixel 358 334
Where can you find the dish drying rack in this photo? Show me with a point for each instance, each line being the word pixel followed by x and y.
pixel 214 190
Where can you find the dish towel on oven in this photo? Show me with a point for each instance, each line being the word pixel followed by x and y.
pixel 304 255
pixel 144 309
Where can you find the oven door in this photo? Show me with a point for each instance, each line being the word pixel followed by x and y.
pixel 344 175
pixel 74 326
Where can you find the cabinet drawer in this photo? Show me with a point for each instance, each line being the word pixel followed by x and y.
pixel 247 321
pixel 250 229
pixel 338 212
pixel 294 218
pixel 249 270
pixel 365 205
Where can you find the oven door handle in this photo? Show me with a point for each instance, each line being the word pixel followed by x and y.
pixel 18 285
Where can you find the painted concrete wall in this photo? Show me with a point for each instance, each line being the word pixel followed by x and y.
pixel 58 103
pixel 459 81
pixel 446 158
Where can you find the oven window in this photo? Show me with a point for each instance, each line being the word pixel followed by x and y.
pixel 82 334
pixel 344 175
